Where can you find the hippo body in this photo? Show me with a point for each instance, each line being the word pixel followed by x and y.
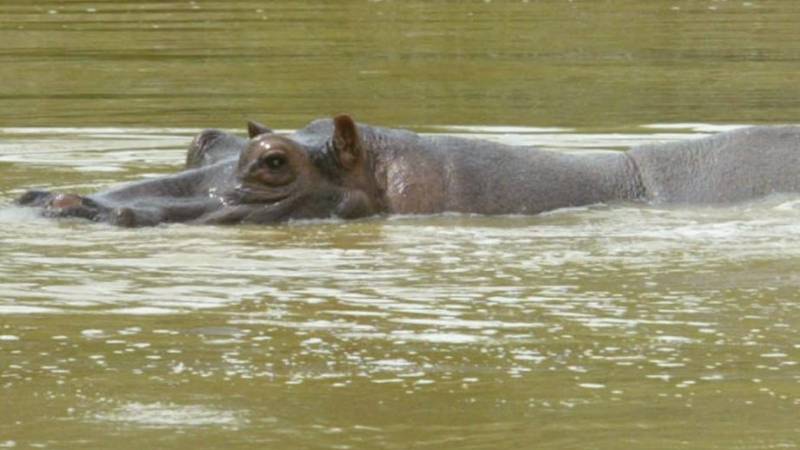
pixel 735 166
pixel 335 168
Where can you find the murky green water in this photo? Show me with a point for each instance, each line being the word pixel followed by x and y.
pixel 613 326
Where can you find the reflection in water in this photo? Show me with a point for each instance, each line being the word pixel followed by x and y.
pixel 614 320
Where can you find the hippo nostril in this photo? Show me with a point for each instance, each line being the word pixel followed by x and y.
pixel 66 201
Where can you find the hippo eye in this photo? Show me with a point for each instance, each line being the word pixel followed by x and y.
pixel 273 162
pixel 272 168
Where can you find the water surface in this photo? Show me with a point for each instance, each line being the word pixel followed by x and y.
pixel 619 325
pixel 532 63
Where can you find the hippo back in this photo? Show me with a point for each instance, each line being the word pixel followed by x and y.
pixel 735 166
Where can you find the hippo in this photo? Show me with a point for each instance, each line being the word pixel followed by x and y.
pixel 338 168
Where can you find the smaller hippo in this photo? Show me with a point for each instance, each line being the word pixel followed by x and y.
pixel 337 168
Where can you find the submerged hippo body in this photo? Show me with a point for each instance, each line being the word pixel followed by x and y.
pixel 335 168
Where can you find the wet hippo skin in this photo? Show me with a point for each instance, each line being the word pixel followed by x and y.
pixel 337 168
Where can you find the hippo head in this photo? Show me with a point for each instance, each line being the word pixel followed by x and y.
pixel 301 176
pixel 325 170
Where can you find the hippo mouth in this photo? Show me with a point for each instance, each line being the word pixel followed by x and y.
pixel 245 195
pixel 247 204
pixel 262 211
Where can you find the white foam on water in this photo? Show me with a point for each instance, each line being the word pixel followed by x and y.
pixel 438 337
pixel 500 129
pixel 10 214
pixel 695 127
pixel 145 311
pixel 170 415
pixel 470 324
pixel 24 309
pixel 592 385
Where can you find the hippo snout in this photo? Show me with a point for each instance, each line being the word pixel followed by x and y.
pixel 35 198
pixel 46 199
pixel 61 205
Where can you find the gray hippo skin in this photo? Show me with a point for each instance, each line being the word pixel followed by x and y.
pixel 336 168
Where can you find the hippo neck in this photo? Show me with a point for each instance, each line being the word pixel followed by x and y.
pixel 426 175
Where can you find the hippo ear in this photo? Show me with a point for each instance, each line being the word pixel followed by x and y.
pixel 346 141
pixel 254 129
